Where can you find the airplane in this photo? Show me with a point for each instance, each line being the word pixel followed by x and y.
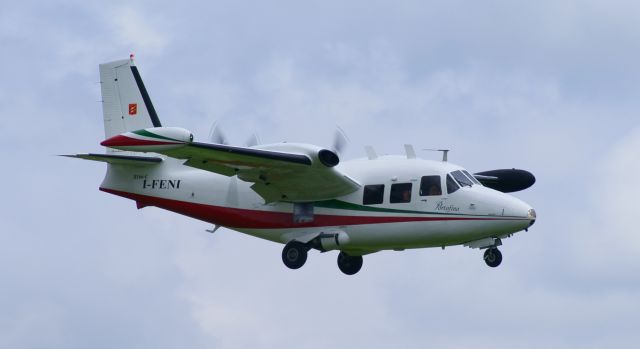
pixel 302 195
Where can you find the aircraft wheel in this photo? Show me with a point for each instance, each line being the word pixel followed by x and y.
pixel 349 264
pixel 294 254
pixel 493 257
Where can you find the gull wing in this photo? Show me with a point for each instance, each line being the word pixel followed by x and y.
pixel 283 172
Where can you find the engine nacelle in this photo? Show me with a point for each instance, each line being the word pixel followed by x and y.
pixel 150 139
pixel 328 158
pixel 318 156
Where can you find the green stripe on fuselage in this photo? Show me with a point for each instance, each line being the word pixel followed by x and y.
pixel 146 133
pixel 343 205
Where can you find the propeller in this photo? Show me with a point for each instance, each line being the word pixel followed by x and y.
pixel 216 135
pixel 340 141
pixel 253 140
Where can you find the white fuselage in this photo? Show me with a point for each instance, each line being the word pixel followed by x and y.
pixel 468 214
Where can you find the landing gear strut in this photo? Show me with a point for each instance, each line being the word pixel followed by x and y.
pixel 349 264
pixel 294 254
pixel 493 257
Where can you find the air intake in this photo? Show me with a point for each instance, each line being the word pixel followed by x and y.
pixel 328 158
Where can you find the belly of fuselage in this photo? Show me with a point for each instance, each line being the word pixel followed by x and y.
pixel 405 235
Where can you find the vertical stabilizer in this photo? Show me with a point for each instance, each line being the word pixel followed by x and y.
pixel 126 105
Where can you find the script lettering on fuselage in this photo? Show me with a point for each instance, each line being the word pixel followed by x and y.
pixel 161 184
pixel 440 206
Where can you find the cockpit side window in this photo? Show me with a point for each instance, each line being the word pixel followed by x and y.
pixel 373 194
pixel 400 192
pixel 430 186
pixel 461 178
pixel 471 177
pixel 452 186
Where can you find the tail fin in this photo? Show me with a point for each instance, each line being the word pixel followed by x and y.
pixel 126 105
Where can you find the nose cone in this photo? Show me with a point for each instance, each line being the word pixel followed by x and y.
pixel 532 216
pixel 520 213
pixel 524 210
pixel 517 208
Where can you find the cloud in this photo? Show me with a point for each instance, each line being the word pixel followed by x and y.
pixel 607 231
pixel 534 117
pixel 616 193
pixel 548 87
pixel 141 32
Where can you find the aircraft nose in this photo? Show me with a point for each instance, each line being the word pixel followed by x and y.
pixel 521 209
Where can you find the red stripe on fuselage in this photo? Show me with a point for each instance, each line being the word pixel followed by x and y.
pixel 257 219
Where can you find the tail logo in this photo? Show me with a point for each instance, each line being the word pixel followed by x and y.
pixel 133 109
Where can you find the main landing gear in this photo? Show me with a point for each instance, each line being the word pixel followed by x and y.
pixel 294 255
pixel 349 264
pixel 493 257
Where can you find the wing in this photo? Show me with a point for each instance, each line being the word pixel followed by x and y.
pixel 302 173
pixel 279 172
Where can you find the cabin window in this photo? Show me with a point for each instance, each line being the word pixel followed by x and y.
pixel 452 186
pixel 400 192
pixel 430 186
pixel 461 178
pixel 373 194
pixel 471 177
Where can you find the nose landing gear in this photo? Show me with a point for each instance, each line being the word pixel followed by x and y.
pixel 493 257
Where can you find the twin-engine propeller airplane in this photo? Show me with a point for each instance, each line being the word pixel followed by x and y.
pixel 302 195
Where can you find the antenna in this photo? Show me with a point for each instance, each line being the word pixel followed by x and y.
pixel 445 152
pixel 371 153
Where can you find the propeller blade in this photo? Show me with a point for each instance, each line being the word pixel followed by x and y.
pixel 216 135
pixel 340 140
pixel 253 140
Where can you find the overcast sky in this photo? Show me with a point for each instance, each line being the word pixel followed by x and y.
pixel 549 86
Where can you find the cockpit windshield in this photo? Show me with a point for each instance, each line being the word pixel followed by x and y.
pixel 452 186
pixel 461 178
pixel 471 177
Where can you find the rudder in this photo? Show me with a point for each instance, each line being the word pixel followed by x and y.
pixel 126 105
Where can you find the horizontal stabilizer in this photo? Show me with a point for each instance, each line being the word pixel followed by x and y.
pixel 119 159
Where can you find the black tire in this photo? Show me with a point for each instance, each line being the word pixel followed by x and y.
pixel 349 264
pixel 294 254
pixel 493 257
